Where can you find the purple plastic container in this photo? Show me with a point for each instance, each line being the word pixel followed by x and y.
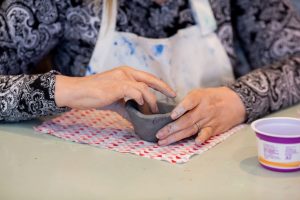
pixel 278 142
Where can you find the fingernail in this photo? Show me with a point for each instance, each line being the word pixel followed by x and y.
pixel 198 142
pixel 141 102
pixel 126 99
pixel 159 135
pixel 164 131
pixel 177 112
pixel 174 115
pixel 174 94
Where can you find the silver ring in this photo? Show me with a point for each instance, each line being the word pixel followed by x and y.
pixel 198 127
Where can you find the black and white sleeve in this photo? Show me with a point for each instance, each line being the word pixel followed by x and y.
pixel 24 97
pixel 269 32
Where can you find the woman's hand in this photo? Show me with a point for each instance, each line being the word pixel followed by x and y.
pixel 106 88
pixel 205 112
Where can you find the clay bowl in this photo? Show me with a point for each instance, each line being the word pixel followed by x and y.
pixel 147 125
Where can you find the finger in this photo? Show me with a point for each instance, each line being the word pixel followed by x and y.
pixel 188 103
pixel 178 136
pixel 187 120
pixel 204 135
pixel 148 96
pixel 153 82
pixel 130 92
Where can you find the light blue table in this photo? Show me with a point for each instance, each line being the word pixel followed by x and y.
pixel 34 166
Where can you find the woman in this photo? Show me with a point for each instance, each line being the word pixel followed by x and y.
pixel 264 34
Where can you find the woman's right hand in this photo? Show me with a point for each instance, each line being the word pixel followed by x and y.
pixel 106 88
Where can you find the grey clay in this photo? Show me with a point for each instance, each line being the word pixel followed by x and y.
pixel 146 126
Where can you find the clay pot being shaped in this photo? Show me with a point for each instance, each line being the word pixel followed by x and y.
pixel 147 125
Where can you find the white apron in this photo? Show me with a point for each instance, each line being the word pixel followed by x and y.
pixel 192 58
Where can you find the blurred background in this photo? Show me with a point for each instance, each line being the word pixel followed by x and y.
pixel 297 4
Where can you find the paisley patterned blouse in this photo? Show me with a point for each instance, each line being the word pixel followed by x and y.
pixel 262 39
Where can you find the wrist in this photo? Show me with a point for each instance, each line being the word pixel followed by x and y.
pixel 62 90
pixel 238 104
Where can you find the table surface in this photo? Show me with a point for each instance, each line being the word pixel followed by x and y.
pixel 40 166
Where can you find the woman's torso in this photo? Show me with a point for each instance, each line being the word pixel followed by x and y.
pixel 69 29
pixel 30 30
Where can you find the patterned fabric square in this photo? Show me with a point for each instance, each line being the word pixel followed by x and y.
pixel 108 130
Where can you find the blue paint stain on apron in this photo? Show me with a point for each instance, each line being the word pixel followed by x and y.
pixel 192 58
pixel 158 49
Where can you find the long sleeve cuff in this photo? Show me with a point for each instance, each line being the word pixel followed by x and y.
pixel 270 88
pixel 26 97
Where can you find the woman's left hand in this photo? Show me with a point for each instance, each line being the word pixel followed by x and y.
pixel 206 112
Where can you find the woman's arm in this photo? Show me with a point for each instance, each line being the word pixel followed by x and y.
pixel 270 89
pixel 106 88
pixel 25 97
pixel 28 32
pixel 269 33
pixel 29 96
